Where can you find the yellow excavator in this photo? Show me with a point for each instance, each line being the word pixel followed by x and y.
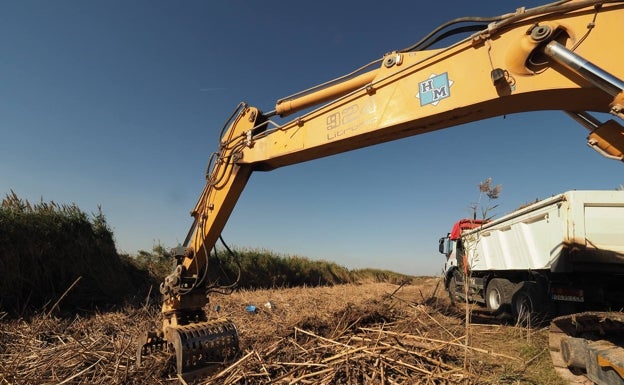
pixel 565 56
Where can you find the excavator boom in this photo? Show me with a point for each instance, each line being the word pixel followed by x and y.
pixel 561 56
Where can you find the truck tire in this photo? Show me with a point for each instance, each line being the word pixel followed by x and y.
pixel 452 289
pixel 498 295
pixel 526 304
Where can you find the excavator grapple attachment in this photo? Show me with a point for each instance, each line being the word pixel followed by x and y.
pixel 198 347
pixel 201 346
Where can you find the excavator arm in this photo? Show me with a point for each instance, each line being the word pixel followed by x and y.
pixel 562 56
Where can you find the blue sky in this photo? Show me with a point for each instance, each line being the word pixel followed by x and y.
pixel 120 104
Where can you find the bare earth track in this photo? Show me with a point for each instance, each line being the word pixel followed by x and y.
pixel 372 333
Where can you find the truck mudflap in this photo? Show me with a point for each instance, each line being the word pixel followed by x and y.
pixel 199 347
pixel 588 348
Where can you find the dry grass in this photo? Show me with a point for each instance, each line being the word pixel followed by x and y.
pixel 350 334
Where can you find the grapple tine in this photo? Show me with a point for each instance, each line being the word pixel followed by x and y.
pixel 149 343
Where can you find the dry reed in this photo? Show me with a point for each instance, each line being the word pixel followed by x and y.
pixel 349 334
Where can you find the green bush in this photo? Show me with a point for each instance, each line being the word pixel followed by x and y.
pixel 46 247
pixel 267 269
pixel 158 263
pixel 376 275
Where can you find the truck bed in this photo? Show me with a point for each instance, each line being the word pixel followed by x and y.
pixel 572 231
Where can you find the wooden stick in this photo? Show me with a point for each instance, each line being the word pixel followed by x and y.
pixel 412 352
pixel 302 364
pixel 310 375
pixel 79 373
pixel 286 375
pixel 148 297
pixel 445 342
pixel 405 364
pixel 63 296
pixel 263 367
pixel 229 368
pixel 321 338
pixel 397 289
pixel 351 351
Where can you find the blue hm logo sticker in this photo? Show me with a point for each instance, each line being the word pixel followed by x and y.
pixel 434 89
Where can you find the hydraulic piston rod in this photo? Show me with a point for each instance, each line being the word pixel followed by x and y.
pixel 607 138
pixel 585 119
pixel 597 76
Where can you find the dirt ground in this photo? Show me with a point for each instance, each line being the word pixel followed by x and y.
pixel 372 333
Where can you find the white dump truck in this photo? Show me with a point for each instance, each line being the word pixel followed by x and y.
pixel 558 256
pixel 564 257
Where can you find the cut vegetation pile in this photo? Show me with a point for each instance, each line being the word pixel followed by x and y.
pixel 351 334
pixel 46 248
pixel 375 334
pixel 348 334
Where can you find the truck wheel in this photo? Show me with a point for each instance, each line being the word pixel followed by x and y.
pixel 497 294
pixel 452 289
pixel 525 304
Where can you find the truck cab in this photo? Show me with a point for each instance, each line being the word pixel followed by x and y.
pixel 447 247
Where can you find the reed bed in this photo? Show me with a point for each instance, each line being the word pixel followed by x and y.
pixel 46 248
